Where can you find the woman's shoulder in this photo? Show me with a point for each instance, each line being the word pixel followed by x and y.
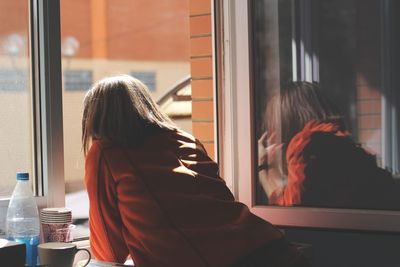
pixel 157 142
pixel 181 142
pixel 98 146
pixel 170 137
pixel 340 148
pixel 184 136
pixel 101 150
pixel 191 140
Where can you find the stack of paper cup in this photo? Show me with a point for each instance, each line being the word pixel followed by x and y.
pixel 56 224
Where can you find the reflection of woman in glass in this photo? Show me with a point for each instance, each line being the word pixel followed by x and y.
pixel 156 195
pixel 323 166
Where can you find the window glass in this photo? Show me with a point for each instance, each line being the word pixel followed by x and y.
pixel 326 103
pixel 146 39
pixel 148 78
pixel 15 94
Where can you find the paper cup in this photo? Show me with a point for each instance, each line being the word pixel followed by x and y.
pixel 57 232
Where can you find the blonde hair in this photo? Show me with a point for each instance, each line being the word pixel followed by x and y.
pixel 119 109
pixel 295 105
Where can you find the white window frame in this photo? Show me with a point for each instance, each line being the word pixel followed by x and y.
pixel 45 56
pixel 236 138
pixel 48 86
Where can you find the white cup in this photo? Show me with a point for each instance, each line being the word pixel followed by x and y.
pixel 59 254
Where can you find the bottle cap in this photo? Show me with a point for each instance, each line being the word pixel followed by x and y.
pixel 22 176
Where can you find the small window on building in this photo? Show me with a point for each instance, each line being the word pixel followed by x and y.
pixel 77 80
pixel 147 77
pixel 13 80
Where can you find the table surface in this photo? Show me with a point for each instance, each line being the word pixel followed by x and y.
pixel 96 263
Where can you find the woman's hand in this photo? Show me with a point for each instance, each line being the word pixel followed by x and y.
pixel 269 153
pixel 269 162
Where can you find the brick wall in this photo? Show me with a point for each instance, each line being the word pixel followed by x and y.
pixel 76 21
pixel 151 30
pixel 368 76
pixel 369 116
pixel 202 73
pixel 10 22
pixel 124 29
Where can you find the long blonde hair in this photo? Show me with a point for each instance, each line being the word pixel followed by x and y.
pixel 295 105
pixel 120 110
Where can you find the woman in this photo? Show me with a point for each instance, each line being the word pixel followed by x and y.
pixel 324 166
pixel 156 195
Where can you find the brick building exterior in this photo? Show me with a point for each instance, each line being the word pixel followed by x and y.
pixel 201 57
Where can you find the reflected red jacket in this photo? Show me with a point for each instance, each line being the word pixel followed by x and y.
pixel 326 168
pixel 296 162
pixel 164 204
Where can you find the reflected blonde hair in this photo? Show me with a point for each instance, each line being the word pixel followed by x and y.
pixel 120 110
pixel 295 105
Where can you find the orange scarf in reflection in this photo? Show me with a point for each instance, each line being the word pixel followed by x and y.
pixel 296 163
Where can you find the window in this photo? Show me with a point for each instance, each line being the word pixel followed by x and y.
pixel 14 80
pixel 344 46
pixel 32 140
pixel 327 43
pixel 95 41
pixel 15 95
pixel 99 39
pixel 148 78
pixel 77 80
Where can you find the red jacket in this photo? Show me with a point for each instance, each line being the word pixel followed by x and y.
pixel 291 194
pixel 165 205
pixel 326 168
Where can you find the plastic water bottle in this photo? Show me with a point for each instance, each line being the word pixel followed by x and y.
pixel 22 223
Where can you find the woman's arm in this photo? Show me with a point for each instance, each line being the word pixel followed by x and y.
pixel 270 172
pixel 106 239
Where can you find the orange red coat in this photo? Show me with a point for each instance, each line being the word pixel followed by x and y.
pixel 164 204
pixel 291 194
pixel 326 168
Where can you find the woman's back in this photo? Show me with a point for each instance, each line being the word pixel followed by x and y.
pixel 175 209
pixel 342 174
pixel 156 195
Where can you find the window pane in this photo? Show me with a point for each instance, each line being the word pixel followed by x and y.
pixel 146 39
pixel 325 89
pixel 15 94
